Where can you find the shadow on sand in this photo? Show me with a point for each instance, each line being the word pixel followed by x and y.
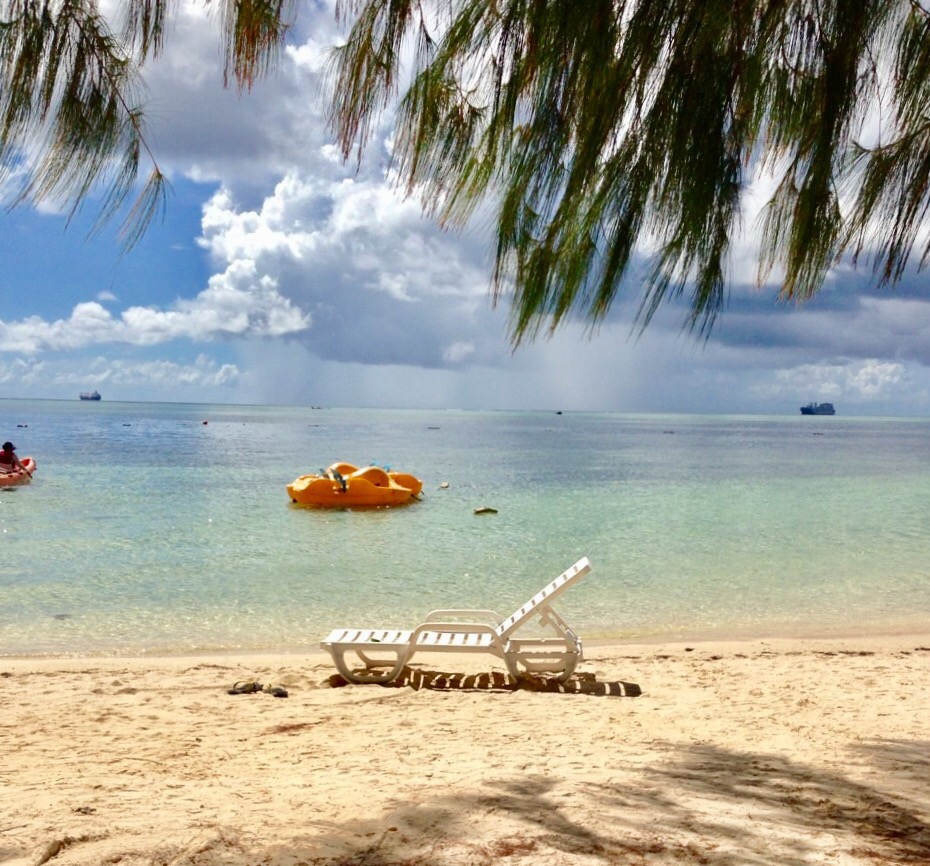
pixel 496 681
pixel 674 812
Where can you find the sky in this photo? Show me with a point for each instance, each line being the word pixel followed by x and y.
pixel 280 275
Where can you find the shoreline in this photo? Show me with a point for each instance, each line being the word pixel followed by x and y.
pixel 595 653
pixel 701 753
pixel 866 635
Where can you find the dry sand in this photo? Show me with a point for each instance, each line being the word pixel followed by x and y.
pixel 759 752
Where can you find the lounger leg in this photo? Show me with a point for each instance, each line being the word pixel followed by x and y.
pixel 513 667
pixel 569 668
pixel 562 672
pixel 371 674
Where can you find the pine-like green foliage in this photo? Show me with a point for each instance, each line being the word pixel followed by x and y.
pixel 68 115
pixel 254 31
pixel 603 128
pixel 596 130
pixel 71 118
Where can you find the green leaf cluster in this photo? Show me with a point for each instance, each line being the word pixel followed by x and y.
pixel 597 132
pixel 604 129
pixel 72 98
pixel 70 119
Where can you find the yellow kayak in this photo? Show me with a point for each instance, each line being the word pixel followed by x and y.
pixel 344 485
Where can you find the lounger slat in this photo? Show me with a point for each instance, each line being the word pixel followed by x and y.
pixel 366 637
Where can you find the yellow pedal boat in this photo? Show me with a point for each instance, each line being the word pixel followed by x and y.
pixel 343 485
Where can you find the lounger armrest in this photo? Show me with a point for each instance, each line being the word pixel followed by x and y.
pixel 520 644
pixel 440 615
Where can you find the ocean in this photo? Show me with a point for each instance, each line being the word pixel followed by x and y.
pixel 166 528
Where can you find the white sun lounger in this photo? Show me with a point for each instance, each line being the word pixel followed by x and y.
pixel 383 652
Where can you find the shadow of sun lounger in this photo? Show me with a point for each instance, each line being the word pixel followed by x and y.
pixel 497 681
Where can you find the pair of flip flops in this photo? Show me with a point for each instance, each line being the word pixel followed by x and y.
pixel 249 687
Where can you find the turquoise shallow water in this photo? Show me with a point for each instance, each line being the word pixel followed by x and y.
pixel 149 531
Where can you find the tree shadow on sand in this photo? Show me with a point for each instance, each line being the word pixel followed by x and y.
pixel 700 805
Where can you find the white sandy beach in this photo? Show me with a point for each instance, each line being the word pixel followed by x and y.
pixel 758 752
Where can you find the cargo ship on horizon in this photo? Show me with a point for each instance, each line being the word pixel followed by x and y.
pixel 818 409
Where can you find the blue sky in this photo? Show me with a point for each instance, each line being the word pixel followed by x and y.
pixel 280 275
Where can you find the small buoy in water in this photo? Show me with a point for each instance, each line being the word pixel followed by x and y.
pixel 444 485
pixel 485 509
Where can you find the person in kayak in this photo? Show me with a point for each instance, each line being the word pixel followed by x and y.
pixel 9 462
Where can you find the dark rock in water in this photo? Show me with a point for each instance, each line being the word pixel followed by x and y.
pixel 485 509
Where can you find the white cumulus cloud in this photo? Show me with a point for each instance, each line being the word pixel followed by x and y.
pixel 238 305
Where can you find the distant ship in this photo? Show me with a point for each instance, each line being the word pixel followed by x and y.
pixel 90 395
pixel 818 409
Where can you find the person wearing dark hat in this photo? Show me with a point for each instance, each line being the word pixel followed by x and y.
pixel 9 462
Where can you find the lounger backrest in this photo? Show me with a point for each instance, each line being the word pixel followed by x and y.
pixel 543 597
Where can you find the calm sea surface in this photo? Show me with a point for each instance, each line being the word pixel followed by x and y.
pixel 147 530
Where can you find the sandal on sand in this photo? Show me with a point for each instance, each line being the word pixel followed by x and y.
pixel 244 688
pixel 277 691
